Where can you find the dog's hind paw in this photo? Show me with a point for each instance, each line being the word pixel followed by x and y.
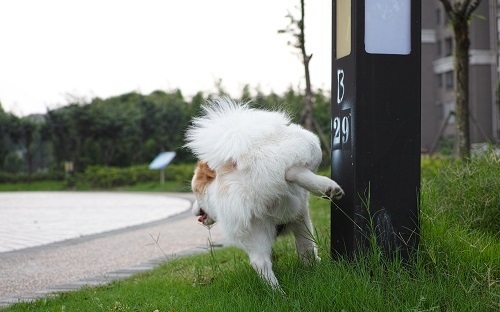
pixel 333 192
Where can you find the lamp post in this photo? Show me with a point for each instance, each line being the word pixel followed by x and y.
pixel 376 124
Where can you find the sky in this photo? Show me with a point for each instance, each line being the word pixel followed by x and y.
pixel 54 52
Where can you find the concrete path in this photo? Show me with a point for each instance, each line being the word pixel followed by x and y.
pixel 129 239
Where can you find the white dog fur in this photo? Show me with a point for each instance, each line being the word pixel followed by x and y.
pixel 263 172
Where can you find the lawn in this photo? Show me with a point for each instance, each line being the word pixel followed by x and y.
pixel 457 266
pixel 33 186
pixel 168 186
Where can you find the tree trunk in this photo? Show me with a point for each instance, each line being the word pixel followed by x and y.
pixel 307 112
pixel 29 158
pixel 459 13
pixel 462 44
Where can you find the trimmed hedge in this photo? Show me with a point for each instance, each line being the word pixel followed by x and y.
pixel 6 177
pixel 109 177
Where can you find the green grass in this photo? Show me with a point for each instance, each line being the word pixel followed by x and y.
pixel 33 186
pixel 169 186
pixel 457 266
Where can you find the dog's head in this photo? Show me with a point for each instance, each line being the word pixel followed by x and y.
pixel 202 178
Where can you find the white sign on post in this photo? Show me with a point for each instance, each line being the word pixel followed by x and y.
pixel 387 27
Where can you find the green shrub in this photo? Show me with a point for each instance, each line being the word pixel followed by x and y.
pixel 6 177
pixel 109 177
pixel 179 172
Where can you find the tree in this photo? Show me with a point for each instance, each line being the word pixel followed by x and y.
pixel 114 126
pixel 459 13
pixel 28 129
pixel 8 135
pixel 61 129
pixel 296 29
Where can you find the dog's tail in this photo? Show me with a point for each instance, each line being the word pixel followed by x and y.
pixel 225 121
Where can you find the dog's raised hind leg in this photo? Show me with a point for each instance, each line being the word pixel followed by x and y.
pixel 316 184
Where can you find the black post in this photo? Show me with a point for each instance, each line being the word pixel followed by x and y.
pixel 376 124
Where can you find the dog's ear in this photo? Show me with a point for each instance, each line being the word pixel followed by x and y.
pixel 203 175
pixel 205 170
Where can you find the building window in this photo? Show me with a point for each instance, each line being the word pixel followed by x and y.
pixel 438 16
pixel 439 78
pixel 438 47
pixel 449 108
pixel 449 80
pixel 448 46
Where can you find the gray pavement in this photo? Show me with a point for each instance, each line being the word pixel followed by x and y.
pixel 107 244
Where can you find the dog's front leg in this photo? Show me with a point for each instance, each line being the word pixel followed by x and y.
pixel 263 266
pixel 316 184
pixel 259 248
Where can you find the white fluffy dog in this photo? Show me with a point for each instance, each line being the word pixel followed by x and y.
pixel 255 173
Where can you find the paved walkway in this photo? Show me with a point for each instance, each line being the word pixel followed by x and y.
pixel 117 235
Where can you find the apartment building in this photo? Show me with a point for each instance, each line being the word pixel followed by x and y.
pixel 438 82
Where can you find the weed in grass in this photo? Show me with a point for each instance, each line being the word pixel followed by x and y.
pixel 156 242
pixel 379 252
pixel 211 250
pixel 201 276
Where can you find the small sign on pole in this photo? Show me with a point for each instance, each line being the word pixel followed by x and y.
pixel 376 124
pixel 160 162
